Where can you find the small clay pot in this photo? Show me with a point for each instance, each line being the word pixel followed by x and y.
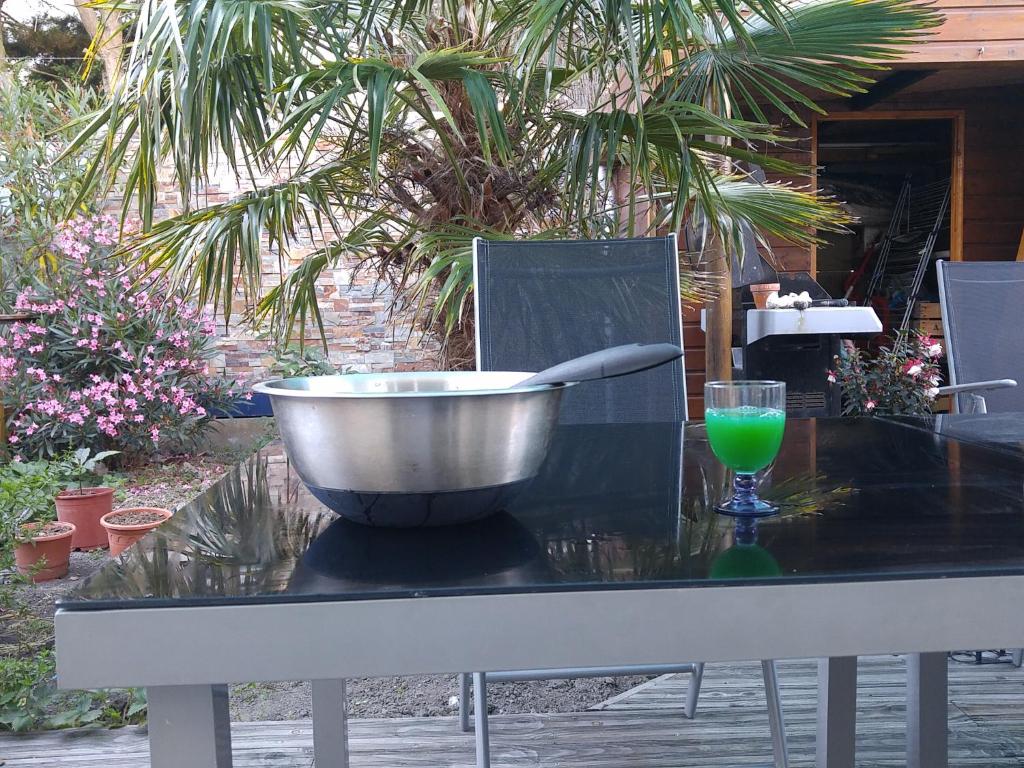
pixel 122 535
pixel 761 291
pixel 54 547
pixel 84 509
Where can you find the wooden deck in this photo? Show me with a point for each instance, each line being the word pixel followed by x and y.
pixel 642 727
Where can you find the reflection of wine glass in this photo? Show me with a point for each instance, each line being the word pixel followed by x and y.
pixel 745 421
pixel 745 559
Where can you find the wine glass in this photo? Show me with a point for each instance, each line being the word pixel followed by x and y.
pixel 745 421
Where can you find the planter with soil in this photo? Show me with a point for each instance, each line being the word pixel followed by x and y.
pixel 126 526
pixel 762 291
pixel 44 550
pixel 83 507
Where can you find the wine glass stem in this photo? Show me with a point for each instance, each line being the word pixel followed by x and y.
pixel 744 488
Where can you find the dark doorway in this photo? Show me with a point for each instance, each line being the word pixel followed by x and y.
pixel 895 178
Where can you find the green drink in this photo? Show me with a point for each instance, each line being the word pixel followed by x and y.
pixel 746 438
pixel 745 421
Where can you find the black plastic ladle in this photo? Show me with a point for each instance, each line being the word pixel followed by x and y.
pixel 606 364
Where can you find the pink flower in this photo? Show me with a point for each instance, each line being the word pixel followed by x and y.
pixel 831 377
pixel 870 405
pixel 913 368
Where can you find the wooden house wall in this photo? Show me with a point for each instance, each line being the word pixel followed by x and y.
pixel 993 186
pixel 973 31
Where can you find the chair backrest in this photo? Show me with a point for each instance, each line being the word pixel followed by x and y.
pixel 980 303
pixel 541 302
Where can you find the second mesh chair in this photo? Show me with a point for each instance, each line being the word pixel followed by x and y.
pixel 980 301
pixel 541 302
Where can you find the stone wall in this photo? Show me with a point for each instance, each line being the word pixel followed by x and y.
pixel 365 331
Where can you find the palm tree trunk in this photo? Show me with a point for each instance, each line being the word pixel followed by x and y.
pixel 107 39
pixel 718 319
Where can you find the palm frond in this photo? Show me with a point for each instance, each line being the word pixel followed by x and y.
pixel 831 47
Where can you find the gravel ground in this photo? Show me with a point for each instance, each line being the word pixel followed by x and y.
pixel 426 697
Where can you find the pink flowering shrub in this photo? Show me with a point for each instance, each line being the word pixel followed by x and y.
pixel 113 361
pixel 898 380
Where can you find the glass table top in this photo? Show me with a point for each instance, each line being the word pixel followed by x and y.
pixel 999 431
pixel 614 507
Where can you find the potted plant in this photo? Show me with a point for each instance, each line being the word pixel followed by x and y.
pixel 901 379
pixel 43 549
pixel 80 505
pixel 42 546
pixel 126 526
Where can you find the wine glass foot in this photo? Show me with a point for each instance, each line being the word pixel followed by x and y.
pixel 735 507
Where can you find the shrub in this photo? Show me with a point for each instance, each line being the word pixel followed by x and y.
pixel 899 380
pixel 39 182
pixel 115 359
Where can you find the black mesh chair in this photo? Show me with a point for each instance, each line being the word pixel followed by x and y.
pixel 541 302
pixel 980 303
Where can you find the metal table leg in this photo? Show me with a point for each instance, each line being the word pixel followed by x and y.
pixel 837 712
pixel 693 691
pixel 776 722
pixel 330 724
pixel 927 711
pixel 480 725
pixel 189 725
pixel 464 705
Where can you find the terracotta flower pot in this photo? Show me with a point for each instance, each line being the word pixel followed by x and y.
pixel 122 533
pixel 53 544
pixel 84 509
pixel 761 291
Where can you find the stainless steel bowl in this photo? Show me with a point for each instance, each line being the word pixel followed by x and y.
pixel 405 449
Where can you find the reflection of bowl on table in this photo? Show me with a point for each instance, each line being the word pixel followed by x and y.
pixel 495 551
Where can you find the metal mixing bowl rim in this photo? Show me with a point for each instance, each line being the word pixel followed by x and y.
pixel 268 387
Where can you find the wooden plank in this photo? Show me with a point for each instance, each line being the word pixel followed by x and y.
pixel 693 336
pixel 958 52
pixel 695 406
pixel 989 232
pixel 643 728
pixel 927 310
pixel 930 328
pixel 947 5
pixel 981 25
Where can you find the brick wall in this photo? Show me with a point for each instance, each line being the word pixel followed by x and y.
pixel 365 330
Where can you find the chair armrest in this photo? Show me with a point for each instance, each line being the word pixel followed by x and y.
pixel 977 386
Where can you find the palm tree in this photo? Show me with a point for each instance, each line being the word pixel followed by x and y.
pixel 401 129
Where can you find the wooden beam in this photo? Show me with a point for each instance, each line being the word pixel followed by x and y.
pixel 889 87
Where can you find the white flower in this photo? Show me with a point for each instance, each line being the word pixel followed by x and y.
pixel 870 405
pixel 934 349
pixel 931 393
pixel 913 370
